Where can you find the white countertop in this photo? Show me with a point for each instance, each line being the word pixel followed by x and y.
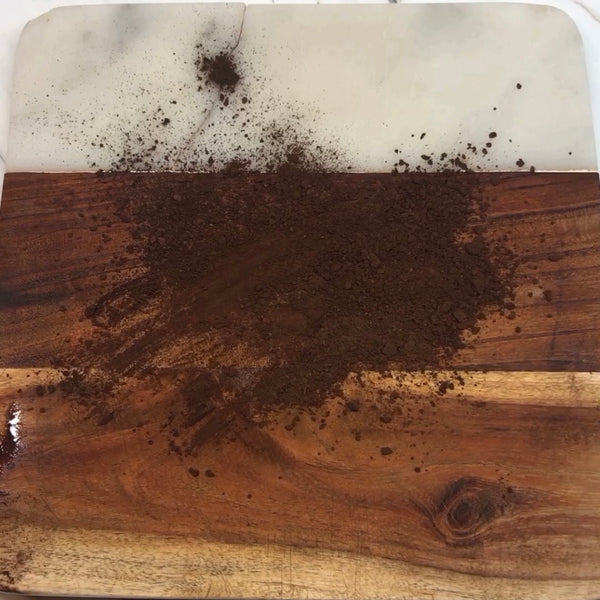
pixel 97 87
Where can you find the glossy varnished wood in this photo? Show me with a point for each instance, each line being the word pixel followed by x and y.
pixel 491 489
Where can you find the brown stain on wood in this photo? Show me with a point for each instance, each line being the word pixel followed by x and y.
pixel 490 479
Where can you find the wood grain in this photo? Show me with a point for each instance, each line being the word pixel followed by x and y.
pixel 491 490
pixel 60 246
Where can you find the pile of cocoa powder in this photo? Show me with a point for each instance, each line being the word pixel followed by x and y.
pixel 298 278
pixel 265 290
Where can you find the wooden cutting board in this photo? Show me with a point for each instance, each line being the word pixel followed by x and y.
pixel 491 488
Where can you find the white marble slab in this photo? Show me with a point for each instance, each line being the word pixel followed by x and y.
pixel 365 80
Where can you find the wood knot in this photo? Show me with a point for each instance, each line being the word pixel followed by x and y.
pixel 467 507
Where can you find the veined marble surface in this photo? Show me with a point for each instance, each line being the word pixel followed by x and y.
pixel 96 84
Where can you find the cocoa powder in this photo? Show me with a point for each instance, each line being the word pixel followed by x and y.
pixel 220 70
pixel 263 291
pixel 305 276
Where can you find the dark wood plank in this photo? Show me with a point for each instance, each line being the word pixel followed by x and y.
pixel 61 238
